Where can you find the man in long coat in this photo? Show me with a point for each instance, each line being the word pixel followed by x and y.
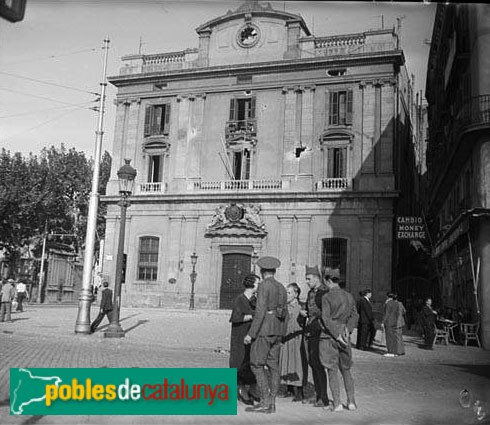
pixel 268 328
pixel 365 327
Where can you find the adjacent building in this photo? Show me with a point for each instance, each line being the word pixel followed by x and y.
pixel 263 140
pixel 458 158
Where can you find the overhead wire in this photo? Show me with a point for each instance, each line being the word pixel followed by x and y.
pixel 82 105
pixel 70 110
pixel 47 83
pixel 43 97
pixel 93 49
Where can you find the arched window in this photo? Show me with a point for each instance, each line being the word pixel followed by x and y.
pixel 148 258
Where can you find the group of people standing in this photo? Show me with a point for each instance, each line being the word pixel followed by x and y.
pixel 282 336
pixel 12 294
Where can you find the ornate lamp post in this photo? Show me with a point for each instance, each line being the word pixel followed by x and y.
pixel 193 276
pixel 255 257
pixel 126 175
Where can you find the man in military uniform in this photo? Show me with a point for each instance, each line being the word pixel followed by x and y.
pixel 313 331
pixel 265 334
pixel 339 317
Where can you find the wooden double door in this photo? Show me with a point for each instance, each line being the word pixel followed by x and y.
pixel 235 267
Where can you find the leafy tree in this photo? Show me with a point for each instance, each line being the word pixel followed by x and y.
pixel 51 191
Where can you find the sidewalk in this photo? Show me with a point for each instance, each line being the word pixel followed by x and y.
pixel 421 387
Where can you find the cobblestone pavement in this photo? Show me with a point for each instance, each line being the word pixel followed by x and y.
pixel 419 388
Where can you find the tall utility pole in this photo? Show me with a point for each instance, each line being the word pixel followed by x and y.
pixel 84 301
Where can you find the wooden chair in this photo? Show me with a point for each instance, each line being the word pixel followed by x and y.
pixel 470 332
pixel 441 333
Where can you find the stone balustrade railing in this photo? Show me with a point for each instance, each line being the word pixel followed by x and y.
pixel 238 185
pixel 334 184
pixel 154 188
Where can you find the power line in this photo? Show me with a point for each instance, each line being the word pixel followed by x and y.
pixel 48 83
pixel 42 123
pixel 42 97
pixel 50 56
pixel 45 110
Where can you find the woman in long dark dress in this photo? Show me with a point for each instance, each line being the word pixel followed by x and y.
pixel 241 320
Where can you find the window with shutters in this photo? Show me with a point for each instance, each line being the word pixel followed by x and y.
pixel 148 258
pixel 157 120
pixel 242 117
pixel 337 162
pixel 340 107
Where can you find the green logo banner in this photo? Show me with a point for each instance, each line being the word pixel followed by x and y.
pixel 123 391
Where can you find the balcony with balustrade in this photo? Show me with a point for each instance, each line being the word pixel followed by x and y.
pixel 333 185
pixel 261 185
pixel 151 188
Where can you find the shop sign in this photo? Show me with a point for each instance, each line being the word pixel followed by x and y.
pixel 410 227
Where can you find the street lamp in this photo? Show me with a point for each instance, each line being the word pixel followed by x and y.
pixel 126 175
pixel 193 276
pixel 255 257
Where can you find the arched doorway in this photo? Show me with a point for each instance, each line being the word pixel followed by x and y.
pixel 235 267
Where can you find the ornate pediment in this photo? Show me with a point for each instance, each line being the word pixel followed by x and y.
pixel 236 220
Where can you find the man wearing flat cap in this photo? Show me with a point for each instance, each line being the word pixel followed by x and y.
pixel 266 332
pixel 313 332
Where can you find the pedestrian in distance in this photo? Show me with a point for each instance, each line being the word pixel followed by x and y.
pixel 21 290
pixel 313 330
pixel 105 307
pixel 339 317
pixel 265 334
pixel 365 328
pixel 393 323
pixel 428 318
pixel 292 360
pixel 8 295
pixel 241 320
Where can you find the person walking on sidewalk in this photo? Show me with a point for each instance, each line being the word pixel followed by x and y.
pixel 21 289
pixel 313 331
pixel 339 317
pixel 365 328
pixel 105 307
pixel 8 294
pixel 268 328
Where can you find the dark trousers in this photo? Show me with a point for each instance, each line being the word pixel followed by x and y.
pixel 317 369
pixel 99 319
pixel 265 352
pixel 429 335
pixel 365 335
pixel 20 298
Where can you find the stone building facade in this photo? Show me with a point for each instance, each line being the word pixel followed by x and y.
pixel 458 159
pixel 265 140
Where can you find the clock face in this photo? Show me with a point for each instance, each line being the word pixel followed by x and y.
pixel 248 36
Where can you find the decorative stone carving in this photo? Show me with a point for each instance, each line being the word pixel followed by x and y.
pixel 236 220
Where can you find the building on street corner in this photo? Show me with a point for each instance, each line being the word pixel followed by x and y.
pixel 458 159
pixel 263 140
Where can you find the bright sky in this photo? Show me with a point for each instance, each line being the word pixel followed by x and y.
pixel 59 42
